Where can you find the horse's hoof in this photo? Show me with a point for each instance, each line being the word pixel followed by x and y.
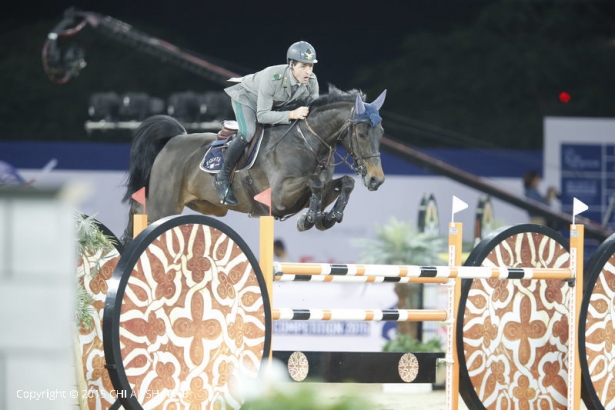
pixel 303 224
pixel 328 220
pixel 324 225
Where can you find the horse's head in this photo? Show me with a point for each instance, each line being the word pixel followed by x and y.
pixel 363 141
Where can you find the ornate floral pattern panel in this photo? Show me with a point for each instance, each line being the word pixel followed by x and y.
pixel 193 322
pixel 93 271
pixel 597 338
pixel 515 332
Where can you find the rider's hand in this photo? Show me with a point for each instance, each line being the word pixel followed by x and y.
pixel 299 113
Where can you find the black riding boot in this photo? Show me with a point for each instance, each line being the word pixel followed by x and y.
pixel 221 181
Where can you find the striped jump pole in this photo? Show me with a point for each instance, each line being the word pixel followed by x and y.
pixel 356 279
pixel 421 272
pixel 369 315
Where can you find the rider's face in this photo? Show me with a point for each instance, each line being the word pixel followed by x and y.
pixel 302 71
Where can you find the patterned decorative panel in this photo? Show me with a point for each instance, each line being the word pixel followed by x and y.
pixel 515 332
pixel 596 344
pixel 192 317
pixel 94 271
pixel 298 366
pixel 408 367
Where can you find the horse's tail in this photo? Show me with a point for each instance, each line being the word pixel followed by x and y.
pixel 150 137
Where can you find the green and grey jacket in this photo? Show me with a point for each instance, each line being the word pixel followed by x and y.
pixel 269 90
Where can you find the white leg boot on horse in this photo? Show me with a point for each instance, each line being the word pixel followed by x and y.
pixel 222 180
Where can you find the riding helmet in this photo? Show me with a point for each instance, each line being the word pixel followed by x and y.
pixel 302 51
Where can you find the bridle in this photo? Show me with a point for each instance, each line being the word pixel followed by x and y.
pixel 358 159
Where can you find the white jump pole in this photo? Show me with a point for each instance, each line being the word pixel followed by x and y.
pixel 420 274
pixel 355 279
pixel 364 315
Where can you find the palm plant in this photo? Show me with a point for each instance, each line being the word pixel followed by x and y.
pixel 90 240
pixel 400 243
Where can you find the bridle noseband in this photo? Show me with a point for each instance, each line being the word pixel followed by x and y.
pixel 358 166
pixel 358 158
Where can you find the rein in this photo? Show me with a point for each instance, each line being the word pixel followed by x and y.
pixel 285 134
pixel 320 163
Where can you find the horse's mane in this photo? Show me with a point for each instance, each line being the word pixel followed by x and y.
pixel 336 95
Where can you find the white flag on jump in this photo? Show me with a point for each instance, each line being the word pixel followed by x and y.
pixel 458 205
pixel 577 208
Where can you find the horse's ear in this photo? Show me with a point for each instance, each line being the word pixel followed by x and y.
pixel 359 106
pixel 380 100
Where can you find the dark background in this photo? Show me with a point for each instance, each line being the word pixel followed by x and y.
pixel 458 73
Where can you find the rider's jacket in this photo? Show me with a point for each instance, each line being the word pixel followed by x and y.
pixel 269 91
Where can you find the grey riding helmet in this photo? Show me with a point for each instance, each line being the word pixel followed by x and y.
pixel 301 51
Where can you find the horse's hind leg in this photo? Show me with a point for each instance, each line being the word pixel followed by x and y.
pixel 307 220
pixel 127 236
pixel 344 185
pixel 166 191
pixel 157 208
pixel 163 203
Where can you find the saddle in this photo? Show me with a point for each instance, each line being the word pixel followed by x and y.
pixel 214 157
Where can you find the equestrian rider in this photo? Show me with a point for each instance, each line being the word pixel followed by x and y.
pixel 267 97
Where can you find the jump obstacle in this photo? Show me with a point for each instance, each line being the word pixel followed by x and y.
pixel 179 265
pixel 453 273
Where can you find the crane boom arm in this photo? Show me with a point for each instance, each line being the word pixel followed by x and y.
pixel 62 70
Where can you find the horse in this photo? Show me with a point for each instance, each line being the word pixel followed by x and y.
pixel 295 161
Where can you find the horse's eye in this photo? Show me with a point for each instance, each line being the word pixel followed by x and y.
pixel 362 132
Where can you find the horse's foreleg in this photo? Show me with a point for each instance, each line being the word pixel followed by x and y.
pixel 314 212
pixel 340 188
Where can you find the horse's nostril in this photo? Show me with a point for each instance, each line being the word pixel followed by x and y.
pixel 374 182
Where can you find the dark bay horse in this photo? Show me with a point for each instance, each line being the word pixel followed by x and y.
pixel 296 161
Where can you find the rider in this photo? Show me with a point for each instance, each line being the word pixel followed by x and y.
pixel 267 97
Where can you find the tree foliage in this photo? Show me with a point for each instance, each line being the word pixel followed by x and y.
pixel 496 80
